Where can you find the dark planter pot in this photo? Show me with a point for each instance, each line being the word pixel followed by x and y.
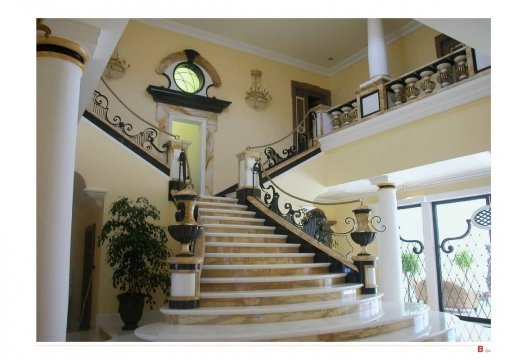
pixel 130 307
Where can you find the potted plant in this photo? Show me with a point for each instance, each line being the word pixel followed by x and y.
pixel 464 259
pixel 411 267
pixel 137 253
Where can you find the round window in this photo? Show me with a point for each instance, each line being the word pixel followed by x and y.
pixel 188 77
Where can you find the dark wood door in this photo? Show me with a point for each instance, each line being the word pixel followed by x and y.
pixel 304 97
pixel 86 284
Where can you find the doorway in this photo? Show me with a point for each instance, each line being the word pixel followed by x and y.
pixel 304 97
pixel 460 242
pixel 87 276
pixel 193 130
pixel 463 247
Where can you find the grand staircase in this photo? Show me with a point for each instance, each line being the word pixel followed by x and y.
pixel 257 287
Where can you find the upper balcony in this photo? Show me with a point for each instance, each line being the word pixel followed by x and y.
pixel 458 78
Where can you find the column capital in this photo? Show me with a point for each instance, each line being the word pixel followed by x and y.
pixel 248 154
pixel 60 48
pixel 384 182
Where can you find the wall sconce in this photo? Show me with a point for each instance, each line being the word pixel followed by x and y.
pixel 116 67
pixel 257 97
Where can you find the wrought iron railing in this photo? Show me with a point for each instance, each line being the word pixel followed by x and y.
pixel 414 270
pixel 145 138
pixel 312 221
pixel 273 158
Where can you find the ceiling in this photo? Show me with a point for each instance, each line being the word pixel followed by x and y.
pixel 320 45
pixel 469 167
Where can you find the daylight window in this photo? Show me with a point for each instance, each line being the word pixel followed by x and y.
pixel 188 77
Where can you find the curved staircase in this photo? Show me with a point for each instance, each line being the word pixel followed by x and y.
pixel 257 287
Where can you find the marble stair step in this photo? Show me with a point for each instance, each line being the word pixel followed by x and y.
pixel 257 258
pixel 249 283
pixel 230 220
pixel 391 324
pixel 238 247
pixel 219 199
pixel 366 304
pixel 244 238
pixel 234 228
pixel 277 296
pixel 226 212
pixel 264 270
pixel 220 206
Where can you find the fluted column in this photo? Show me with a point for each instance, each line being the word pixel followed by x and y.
pixel 60 65
pixel 389 252
pixel 377 54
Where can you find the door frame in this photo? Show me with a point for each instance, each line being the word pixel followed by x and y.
pixel 202 123
pixel 308 90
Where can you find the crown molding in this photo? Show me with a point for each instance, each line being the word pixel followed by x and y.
pixel 272 55
pixel 234 44
pixel 389 39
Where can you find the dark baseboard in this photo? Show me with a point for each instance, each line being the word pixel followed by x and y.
pixel 227 191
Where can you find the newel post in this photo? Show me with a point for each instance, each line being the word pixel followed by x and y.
pixel 247 183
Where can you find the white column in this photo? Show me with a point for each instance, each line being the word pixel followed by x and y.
pixel 377 55
pixel 58 88
pixel 430 260
pixel 389 252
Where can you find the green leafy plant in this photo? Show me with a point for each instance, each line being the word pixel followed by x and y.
pixel 136 249
pixel 410 263
pixel 464 259
pixel 411 267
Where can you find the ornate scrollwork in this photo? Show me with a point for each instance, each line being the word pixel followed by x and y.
pixel 378 220
pixel 273 158
pixel 450 248
pixel 145 139
pixel 414 249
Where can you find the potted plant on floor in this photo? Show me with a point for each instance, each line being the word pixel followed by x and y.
pixel 137 253
pixel 411 267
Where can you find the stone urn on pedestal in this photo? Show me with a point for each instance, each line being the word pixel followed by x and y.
pixel 363 236
pixel 188 230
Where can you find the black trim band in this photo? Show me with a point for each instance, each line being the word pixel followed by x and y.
pixel 168 96
pixel 184 266
pixel 386 186
pixel 61 50
pixel 117 136
pixel 229 190
pixel 180 304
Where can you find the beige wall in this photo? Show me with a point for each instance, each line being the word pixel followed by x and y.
pixel 106 164
pixel 462 131
pixel 403 55
pixel 144 46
